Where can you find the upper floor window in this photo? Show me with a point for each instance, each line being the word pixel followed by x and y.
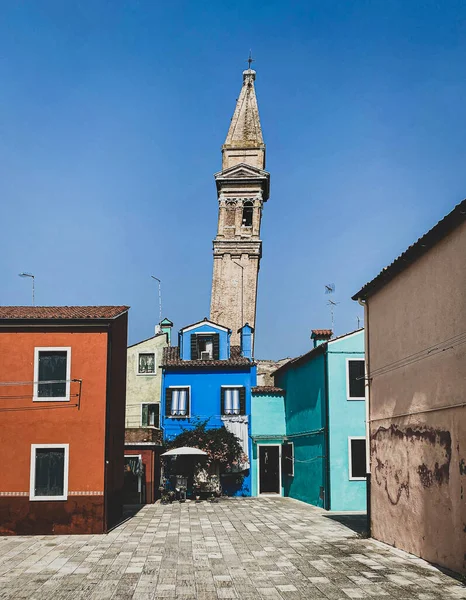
pixel 247 214
pixel 146 363
pixel 49 472
pixel 233 400
pixel 177 402
pixel 52 368
pixel 150 415
pixel 355 383
pixel 205 346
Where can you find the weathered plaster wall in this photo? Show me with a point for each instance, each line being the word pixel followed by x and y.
pixel 143 388
pixel 418 462
pixel 234 291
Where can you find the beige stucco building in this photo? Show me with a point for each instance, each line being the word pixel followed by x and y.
pixel 144 381
pixel 415 315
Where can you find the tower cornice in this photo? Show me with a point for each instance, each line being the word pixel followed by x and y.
pixel 242 175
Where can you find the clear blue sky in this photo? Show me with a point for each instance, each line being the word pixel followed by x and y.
pixel 112 115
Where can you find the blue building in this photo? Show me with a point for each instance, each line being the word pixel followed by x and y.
pixel 204 377
pixel 325 422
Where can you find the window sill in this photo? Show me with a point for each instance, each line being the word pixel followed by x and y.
pixel 47 498
pixel 50 399
pixel 177 417
pixel 146 374
pixel 355 399
pixel 357 479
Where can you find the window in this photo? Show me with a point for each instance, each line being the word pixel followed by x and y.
pixel 52 367
pixel 146 363
pixel 150 415
pixel 288 459
pixel 233 400
pixel 49 472
pixel 177 402
pixel 357 458
pixel 247 214
pixel 205 346
pixel 355 379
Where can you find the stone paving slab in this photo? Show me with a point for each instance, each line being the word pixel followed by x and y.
pixel 249 548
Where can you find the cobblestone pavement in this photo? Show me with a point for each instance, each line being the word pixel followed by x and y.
pixel 257 548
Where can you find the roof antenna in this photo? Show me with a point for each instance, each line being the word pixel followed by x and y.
pixel 330 289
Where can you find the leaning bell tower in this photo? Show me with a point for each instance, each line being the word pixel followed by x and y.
pixel 242 188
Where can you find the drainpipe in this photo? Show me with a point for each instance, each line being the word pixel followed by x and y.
pixel 365 305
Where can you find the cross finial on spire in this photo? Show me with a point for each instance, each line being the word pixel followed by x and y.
pixel 250 59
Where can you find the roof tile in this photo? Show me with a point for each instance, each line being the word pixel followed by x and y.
pixel 61 312
pixel 171 358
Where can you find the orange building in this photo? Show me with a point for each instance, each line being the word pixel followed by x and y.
pixel 62 418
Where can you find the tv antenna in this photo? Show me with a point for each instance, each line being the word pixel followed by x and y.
pixel 332 305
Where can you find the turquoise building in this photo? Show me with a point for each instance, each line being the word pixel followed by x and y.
pixel 268 434
pixel 324 413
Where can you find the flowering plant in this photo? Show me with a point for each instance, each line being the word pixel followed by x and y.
pixel 222 446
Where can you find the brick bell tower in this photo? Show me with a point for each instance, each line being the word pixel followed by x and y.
pixel 242 188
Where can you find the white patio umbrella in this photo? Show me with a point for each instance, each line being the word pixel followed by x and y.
pixel 184 451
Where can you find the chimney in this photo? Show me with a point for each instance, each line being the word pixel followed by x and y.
pixel 319 336
pixel 165 327
pixel 246 332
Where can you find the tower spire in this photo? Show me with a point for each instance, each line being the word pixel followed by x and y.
pixel 245 132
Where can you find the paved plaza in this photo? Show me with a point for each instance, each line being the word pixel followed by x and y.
pixel 257 548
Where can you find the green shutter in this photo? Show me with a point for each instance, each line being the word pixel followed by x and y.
pixel 216 345
pixel 242 401
pixel 145 415
pixel 168 402
pixel 194 350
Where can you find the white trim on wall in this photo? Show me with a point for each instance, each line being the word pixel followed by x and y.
pixel 354 437
pixel 280 489
pixel 32 473
pixel 348 397
pixel 201 324
pixel 35 396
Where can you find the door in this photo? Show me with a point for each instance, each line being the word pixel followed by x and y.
pixel 269 469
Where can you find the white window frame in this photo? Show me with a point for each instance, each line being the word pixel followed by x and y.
pixel 280 490
pixel 145 404
pixel 234 387
pixel 286 443
pixel 348 397
pixel 38 349
pixel 140 460
pixel 32 479
pixel 155 365
pixel 180 387
pixel 354 437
